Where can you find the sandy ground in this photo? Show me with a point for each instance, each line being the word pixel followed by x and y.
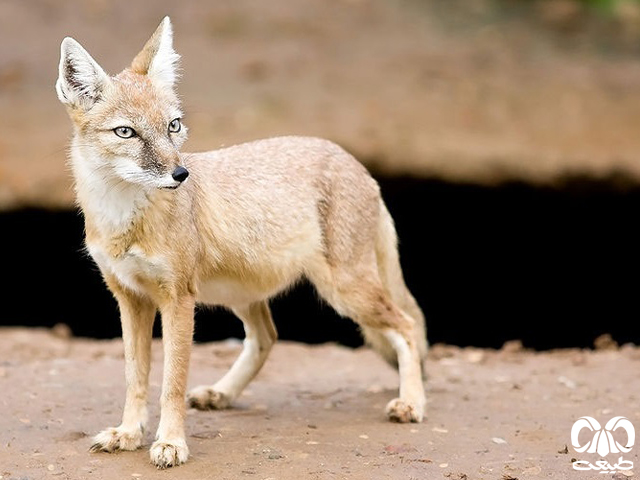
pixel 458 90
pixel 409 86
pixel 316 412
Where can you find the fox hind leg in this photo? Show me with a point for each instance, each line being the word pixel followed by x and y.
pixel 260 335
pixel 362 297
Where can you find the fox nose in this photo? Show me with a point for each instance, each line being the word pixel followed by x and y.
pixel 180 174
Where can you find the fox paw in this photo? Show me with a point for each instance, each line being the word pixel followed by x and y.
pixel 402 412
pixel 118 438
pixel 165 454
pixel 206 398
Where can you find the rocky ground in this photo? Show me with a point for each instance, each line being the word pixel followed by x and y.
pixel 317 412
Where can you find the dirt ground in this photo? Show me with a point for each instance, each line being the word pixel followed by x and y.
pixel 316 412
pixel 409 86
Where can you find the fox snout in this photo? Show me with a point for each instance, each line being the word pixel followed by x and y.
pixel 180 174
pixel 177 177
pixel 174 179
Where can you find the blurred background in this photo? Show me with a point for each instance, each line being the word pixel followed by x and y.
pixel 504 134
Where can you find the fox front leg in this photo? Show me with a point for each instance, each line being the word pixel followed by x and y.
pixel 137 315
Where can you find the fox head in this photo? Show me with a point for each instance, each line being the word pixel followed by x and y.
pixel 127 127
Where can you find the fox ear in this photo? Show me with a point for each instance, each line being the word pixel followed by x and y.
pixel 157 59
pixel 81 80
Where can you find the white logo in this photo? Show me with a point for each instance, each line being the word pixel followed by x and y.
pixel 603 443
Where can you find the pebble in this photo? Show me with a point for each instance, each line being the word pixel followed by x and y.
pixel 512 346
pixel 567 382
pixel 498 440
pixel 375 389
pixel 475 356
pixel 532 470
pixel 61 330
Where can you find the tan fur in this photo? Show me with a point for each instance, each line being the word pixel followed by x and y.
pixel 249 222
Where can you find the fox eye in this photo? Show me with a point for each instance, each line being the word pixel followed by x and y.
pixel 124 132
pixel 175 125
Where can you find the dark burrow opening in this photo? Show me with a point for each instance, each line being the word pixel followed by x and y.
pixel 553 267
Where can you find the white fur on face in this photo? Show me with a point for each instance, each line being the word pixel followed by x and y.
pixel 129 171
pixel 103 191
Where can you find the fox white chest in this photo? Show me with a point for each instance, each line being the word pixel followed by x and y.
pixel 133 268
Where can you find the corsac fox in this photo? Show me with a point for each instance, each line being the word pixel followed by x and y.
pixel 230 227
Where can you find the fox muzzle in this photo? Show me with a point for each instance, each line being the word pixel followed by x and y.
pixel 180 174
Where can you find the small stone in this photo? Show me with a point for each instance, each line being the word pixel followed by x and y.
pixel 396 449
pixel 51 467
pixel 605 342
pixel 498 440
pixel 439 430
pixel 439 351
pixel 512 346
pixel 535 470
pixel 443 465
pixel 564 450
pixel 61 330
pixel 475 356
pixel 363 436
pixel 567 382
pixel 456 476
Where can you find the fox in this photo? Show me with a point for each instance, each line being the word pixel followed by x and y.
pixel 231 227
